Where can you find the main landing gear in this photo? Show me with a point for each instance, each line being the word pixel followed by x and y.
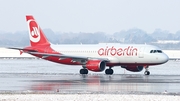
pixel 83 71
pixel 146 71
pixel 109 71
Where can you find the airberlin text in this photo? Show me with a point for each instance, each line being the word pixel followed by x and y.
pixel 112 51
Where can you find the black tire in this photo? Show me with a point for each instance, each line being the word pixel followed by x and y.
pixel 147 73
pixel 109 71
pixel 83 71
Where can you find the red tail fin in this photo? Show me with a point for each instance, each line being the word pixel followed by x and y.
pixel 36 35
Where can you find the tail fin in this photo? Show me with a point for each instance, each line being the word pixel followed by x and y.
pixel 36 35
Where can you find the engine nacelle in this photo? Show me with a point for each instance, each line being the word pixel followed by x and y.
pixel 95 65
pixel 133 68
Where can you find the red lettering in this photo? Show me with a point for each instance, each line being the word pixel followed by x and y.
pixel 125 51
pixel 108 51
pixel 119 51
pixel 101 51
pixel 134 51
pixel 113 51
pixel 105 53
pixel 129 51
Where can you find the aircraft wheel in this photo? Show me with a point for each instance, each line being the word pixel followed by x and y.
pixel 83 71
pixel 146 73
pixel 109 71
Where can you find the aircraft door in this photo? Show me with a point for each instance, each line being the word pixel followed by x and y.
pixel 141 52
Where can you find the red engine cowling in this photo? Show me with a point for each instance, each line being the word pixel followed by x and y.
pixel 133 68
pixel 95 65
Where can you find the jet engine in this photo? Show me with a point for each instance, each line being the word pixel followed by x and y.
pixel 133 68
pixel 95 65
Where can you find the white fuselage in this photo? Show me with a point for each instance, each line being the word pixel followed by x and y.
pixel 116 53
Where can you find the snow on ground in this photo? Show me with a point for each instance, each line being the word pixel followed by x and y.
pixel 86 97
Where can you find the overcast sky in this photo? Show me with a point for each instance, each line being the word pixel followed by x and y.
pixel 107 16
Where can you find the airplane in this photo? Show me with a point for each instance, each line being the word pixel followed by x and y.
pixel 93 57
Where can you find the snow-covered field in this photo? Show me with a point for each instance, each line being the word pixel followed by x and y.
pixel 86 97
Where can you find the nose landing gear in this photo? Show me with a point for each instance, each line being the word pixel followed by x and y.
pixel 146 71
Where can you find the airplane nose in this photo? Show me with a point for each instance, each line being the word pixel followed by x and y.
pixel 164 58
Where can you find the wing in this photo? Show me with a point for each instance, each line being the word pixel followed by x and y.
pixel 81 59
pixel 22 50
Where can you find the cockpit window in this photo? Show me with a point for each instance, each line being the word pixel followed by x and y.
pixel 159 51
pixel 151 51
pixel 156 51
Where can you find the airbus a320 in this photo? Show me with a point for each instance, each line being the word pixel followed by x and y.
pixel 94 57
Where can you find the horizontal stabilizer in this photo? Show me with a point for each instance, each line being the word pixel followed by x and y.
pixel 23 49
